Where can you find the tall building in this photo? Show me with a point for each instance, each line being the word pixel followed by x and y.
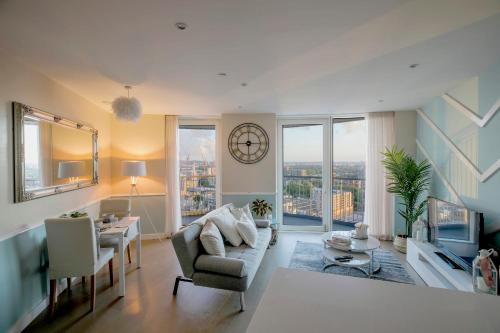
pixel 342 205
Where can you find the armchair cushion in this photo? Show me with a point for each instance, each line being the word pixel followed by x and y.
pixel 220 265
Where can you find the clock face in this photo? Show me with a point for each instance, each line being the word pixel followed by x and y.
pixel 248 143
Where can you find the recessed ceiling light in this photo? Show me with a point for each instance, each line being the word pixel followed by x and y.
pixel 181 25
pixel 244 84
pixel 222 74
pixel 414 65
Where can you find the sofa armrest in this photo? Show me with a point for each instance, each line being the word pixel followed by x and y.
pixel 262 223
pixel 221 265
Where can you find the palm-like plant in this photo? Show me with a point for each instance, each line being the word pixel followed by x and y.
pixel 408 180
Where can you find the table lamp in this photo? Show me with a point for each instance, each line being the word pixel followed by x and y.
pixel 71 169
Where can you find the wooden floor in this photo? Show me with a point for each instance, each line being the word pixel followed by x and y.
pixel 149 305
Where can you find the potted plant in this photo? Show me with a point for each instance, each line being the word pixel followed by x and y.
pixel 408 180
pixel 261 208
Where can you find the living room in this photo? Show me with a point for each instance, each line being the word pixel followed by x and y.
pixel 248 166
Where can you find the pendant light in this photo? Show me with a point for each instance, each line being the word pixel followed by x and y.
pixel 127 108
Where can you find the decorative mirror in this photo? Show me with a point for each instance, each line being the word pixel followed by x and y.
pixel 51 154
pixel 248 143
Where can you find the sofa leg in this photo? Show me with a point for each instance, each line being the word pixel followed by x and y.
pixel 242 301
pixel 179 279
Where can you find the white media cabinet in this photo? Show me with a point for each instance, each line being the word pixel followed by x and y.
pixel 433 270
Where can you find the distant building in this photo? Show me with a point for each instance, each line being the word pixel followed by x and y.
pixel 342 205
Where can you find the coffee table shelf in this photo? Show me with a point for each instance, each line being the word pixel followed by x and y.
pixel 360 249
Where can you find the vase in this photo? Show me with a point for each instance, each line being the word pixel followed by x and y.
pixel 400 243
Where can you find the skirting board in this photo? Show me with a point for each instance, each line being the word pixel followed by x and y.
pixel 160 235
pixel 24 321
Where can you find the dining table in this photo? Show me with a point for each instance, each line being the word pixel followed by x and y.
pixel 128 227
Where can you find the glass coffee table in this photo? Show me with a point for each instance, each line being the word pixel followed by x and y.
pixel 360 249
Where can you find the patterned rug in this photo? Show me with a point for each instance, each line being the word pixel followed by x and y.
pixel 309 257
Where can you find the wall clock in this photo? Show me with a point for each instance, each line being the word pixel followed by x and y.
pixel 248 143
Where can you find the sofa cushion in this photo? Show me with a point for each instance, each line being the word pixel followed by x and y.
pixel 226 223
pixel 247 230
pixel 220 265
pixel 211 239
pixel 251 256
pixel 239 212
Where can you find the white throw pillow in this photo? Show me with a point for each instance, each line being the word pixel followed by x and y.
pixel 226 223
pixel 211 239
pixel 245 210
pixel 247 231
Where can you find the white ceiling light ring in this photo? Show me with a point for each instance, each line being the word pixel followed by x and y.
pixel 127 108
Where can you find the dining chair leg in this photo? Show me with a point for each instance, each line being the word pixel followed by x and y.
pixel 52 297
pixel 83 280
pixel 128 254
pixel 68 282
pixel 110 265
pixel 92 292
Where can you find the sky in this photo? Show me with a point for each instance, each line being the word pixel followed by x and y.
pixel 199 144
pixel 305 144
pixel 301 144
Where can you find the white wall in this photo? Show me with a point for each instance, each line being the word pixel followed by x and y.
pixel 405 123
pixel 21 83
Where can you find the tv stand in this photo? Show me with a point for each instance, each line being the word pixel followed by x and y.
pixel 433 269
pixel 447 260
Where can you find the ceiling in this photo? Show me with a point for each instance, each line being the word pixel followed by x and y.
pixel 295 56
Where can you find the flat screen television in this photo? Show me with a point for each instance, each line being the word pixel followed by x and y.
pixel 456 231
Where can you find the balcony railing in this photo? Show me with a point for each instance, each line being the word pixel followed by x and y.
pixel 303 197
pixel 197 195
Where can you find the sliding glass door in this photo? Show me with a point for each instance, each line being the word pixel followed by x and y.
pixel 348 172
pixel 321 177
pixel 198 170
pixel 303 174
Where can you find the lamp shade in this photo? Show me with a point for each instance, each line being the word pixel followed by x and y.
pixel 69 169
pixel 134 168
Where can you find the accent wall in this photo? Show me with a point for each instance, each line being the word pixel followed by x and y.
pixel 459 133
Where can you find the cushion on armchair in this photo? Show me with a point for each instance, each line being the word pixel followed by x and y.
pixel 220 265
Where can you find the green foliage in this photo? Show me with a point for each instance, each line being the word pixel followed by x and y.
pixel 261 207
pixel 408 180
pixel 299 189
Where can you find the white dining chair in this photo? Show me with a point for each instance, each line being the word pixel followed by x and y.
pixel 120 207
pixel 74 251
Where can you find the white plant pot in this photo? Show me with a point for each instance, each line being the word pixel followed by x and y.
pixel 400 243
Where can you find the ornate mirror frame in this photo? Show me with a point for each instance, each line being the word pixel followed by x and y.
pixel 19 111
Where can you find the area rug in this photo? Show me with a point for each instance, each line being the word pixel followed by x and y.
pixel 309 256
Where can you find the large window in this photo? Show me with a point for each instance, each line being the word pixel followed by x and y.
pixel 197 170
pixel 322 181
pixel 348 170
pixel 302 174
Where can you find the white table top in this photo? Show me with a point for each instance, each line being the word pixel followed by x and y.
pixel 302 301
pixel 120 227
pixel 357 245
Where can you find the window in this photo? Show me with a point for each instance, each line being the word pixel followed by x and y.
pixel 197 172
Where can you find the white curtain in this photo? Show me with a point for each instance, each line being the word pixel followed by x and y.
pixel 379 209
pixel 173 200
